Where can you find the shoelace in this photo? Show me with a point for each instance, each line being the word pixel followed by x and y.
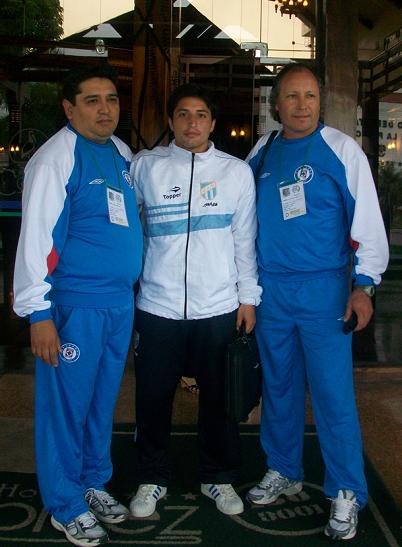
pixel 106 498
pixel 343 510
pixel 87 520
pixel 227 490
pixel 145 492
pixel 272 478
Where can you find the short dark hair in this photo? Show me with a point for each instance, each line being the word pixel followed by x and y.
pixel 192 90
pixel 79 74
pixel 276 86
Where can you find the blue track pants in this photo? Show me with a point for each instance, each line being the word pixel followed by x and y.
pixel 299 333
pixel 74 405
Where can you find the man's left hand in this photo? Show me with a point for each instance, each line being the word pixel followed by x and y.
pixel 361 304
pixel 246 315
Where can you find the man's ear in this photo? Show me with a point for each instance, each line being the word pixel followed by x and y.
pixel 68 108
pixel 170 124
pixel 212 126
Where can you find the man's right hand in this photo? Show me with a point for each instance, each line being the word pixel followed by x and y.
pixel 45 342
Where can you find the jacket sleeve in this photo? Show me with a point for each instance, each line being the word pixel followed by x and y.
pixel 43 203
pixel 365 220
pixel 244 229
pixel 134 173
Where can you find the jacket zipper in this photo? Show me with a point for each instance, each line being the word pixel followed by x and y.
pixel 188 234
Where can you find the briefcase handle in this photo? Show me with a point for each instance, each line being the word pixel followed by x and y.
pixel 242 335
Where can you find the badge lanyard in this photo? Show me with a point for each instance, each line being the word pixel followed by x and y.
pixel 291 192
pixel 115 197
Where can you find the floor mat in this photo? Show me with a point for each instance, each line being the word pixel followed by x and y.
pixel 185 517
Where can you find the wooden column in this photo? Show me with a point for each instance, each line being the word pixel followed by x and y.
pixel 320 37
pixel 341 72
pixel 155 71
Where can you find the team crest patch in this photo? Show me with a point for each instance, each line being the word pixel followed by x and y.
pixel 208 189
pixel 127 178
pixel 70 352
pixel 304 174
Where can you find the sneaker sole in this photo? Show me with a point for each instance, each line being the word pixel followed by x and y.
pixel 208 495
pixel 230 512
pixel 141 515
pixel 335 535
pixel 80 542
pixel 288 492
pixel 111 520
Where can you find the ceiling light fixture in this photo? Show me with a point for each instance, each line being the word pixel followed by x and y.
pixel 290 7
pixel 100 46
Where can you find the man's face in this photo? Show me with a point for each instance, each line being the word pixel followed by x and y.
pixel 192 124
pixel 298 104
pixel 95 113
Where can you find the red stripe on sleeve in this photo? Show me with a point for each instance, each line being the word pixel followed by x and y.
pixel 354 244
pixel 52 261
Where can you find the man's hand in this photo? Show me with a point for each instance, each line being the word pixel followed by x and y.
pixel 246 315
pixel 362 305
pixel 45 342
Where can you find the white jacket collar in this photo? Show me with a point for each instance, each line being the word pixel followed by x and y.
pixel 186 154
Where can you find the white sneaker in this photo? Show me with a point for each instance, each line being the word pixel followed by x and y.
pixel 105 507
pixel 271 487
pixel 225 498
pixel 83 530
pixel 342 522
pixel 144 502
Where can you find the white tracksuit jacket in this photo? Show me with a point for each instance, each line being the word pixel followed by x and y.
pixel 199 229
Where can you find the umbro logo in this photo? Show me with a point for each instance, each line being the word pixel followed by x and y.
pixel 97 181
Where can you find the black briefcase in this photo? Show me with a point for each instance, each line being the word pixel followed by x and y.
pixel 243 378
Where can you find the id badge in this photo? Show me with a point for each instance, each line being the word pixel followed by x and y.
pixel 116 206
pixel 293 200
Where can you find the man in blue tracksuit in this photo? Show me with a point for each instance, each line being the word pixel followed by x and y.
pixel 316 206
pixel 78 257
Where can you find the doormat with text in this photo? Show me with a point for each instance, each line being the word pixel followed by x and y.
pixel 185 517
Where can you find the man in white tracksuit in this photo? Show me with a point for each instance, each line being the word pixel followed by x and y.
pixel 199 284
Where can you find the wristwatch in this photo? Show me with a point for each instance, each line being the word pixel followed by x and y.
pixel 367 289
